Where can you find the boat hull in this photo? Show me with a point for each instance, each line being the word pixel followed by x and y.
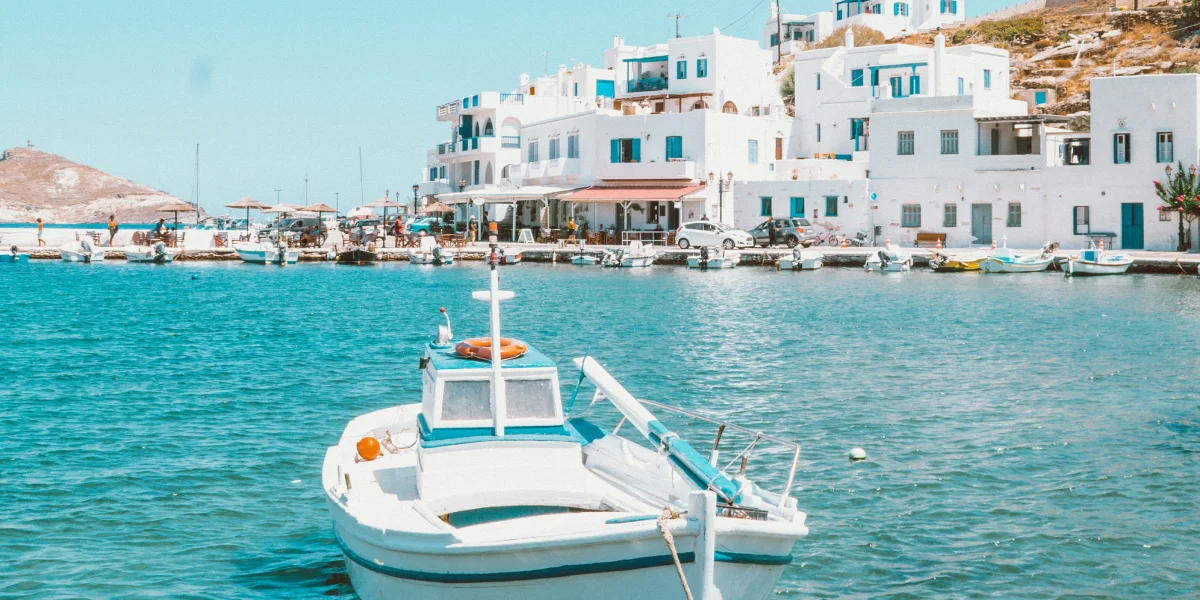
pixel 584 260
pixel 805 264
pixel 958 266
pixel 713 263
pixel 511 259
pixel 15 258
pixel 994 265
pixel 148 256
pixel 265 257
pixel 427 258
pixel 72 256
pixel 896 266
pixel 1078 267
pixel 631 262
pixel 356 257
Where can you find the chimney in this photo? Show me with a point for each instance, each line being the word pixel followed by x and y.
pixel 616 41
pixel 848 41
pixel 939 61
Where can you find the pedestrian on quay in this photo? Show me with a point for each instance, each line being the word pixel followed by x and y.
pixel 41 240
pixel 112 229
pixel 571 227
pixel 472 230
pixel 772 233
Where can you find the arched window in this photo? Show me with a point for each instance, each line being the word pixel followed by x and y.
pixel 476 129
pixel 488 129
pixel 487 174
pixel 700 105
pixel 730 108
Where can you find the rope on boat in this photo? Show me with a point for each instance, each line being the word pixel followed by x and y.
pixel 669 513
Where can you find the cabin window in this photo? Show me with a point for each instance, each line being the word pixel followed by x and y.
pixel 529 398
pixel 466 401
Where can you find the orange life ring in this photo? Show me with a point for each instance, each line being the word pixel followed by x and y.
pixel 481 348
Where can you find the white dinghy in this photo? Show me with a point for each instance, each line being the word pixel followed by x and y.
pixel 635 255
pixel 800 260
pixel 268 253
pixel 1095 261
pixel 159 253
pixel 484 490
pixel 81 250
pixel 1004 260
pixel 430 253
pixel 891 259
pixel 714 258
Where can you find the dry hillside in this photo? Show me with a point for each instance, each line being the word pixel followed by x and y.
pixel 37 184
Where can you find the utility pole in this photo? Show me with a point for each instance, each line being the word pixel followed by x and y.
pixel 677 17
pixel 778 32
pixel 277 196
pixel 337 201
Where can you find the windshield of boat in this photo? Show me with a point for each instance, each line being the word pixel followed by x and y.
pixel 529 398
pixel 470 400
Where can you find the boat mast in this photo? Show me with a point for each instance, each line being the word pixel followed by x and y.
pixel 498 401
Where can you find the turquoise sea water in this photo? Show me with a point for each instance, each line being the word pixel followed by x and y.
pixel 1029 436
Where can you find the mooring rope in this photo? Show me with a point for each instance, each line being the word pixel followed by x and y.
pixel 669 513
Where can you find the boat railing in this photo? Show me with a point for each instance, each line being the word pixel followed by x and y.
pixel 742 458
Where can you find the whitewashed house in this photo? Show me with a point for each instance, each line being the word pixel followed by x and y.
pixel 892 18
pixel 794 32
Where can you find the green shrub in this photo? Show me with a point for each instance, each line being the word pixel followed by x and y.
pixel 787 87
pixel 1022 29
pixel 960 37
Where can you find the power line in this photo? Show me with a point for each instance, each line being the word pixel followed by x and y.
pixel 748 13
pixel 677 17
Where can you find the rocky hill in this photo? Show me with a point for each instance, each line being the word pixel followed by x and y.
pixel 37 184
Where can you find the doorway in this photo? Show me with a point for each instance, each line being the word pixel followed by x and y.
pixel 981 223
pixel 1133 228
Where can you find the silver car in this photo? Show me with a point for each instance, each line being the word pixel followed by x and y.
pixel 707 233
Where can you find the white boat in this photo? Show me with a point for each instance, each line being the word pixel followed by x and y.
pixel 582 259
pixel 82 251
pixel 891 259
pixel 14 255
pixel 159 253
pixel 1095 261
pixel 634 255
pixel 510 256
pixel 430 253
pixel 801 260
pixel 267 253
pixel 482 488
pixel 1004 260
pixel 714 258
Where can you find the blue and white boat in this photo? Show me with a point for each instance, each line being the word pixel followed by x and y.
pixel 267 253
pixel 1004 260
pixel 81 250
pixel 1094 260
pixel 484 488
pixel 15 255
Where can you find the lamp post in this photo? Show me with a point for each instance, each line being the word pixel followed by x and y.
pixel 415 200
pixel 723 185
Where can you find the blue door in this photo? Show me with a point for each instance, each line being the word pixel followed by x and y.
pixel 1133 234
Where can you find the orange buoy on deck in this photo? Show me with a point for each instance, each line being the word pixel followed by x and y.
pixel 368 448
pixel 481 348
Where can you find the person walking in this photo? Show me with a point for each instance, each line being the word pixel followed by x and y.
pixel 571 227
pixel 772 233
pixel 472 230
pixel 112 229
pixel 41 240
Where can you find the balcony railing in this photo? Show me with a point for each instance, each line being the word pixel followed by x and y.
pixel 447 109
pixel 510 141
pixel 649 84
pixel 512 99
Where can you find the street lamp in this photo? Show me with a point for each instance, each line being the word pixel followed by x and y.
pixel 462 183
pixel 415 200
pixel 1168 169
pixel 723 186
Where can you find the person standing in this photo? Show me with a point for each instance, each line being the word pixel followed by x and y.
pixel 772 233
pixel 112 229
pixel 571 227
pixel 472 230
pixel 41 240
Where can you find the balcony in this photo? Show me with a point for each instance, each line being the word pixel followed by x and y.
pixel 674 169
pixel 510 141
pixel 1010 162
pixel 650 84
pixel 563 169
pixel 447 111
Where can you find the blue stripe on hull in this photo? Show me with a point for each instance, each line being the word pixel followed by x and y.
pixel 644 562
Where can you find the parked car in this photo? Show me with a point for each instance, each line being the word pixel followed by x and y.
pixel 428 225
pixel 792 231
pixel 706 233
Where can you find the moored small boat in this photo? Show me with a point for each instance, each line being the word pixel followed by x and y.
pixel 430 253
pixel 890 259
pixel 14 255
pixel 941 262
pixel 510 256
pixel 582 259
pixel 713 258
pixel 1004 260
pixel 82 251
pixel 158 253
pixel 356 255
pixel 1095 261
pixel 267 253
pixel 800 260
pixel 634 255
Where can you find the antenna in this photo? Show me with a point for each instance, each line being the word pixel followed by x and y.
pixel 545 62
pixel 362 198
pixel 677 17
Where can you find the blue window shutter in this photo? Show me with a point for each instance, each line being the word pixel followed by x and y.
pixel 1039 98
pixel 896 10
pixel 960 86
pixel 637 150
pixel 1115 150
pixel 874 77
pixel 914 85
pixel 615 151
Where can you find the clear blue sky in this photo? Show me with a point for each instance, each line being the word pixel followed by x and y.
pixel 272 90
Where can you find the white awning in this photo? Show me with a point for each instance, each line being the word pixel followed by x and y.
pixel 496 193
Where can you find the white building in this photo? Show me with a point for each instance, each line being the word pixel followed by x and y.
pixel 892 18
pixel 797 32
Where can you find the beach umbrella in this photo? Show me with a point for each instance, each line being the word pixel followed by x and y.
pixel 436 207
pixel 384 203
pixel 177 207
pixel 248 203
pixel 283 209
pixel 319 208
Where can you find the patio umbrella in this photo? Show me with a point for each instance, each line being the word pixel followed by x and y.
pixel 384 203
pixel 248 203
pixel 436 207
pixel 319 208
pixel 177 207
pixel 283 209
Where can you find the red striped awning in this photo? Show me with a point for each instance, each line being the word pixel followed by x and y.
pixel 624 193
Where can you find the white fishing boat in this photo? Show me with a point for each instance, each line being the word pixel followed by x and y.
pixel 14 255
pixel 1004 260
pixel 891 259
pixel 82 251
pixel 582 259
pixel 714 258
pixel 1095 261
pixel 430 253
pixel 267 252
pixel 801 260
pixel 158 253
pixel 635 254
pixel 483 488
pixel 510 256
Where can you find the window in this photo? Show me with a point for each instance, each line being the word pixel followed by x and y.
pixel 1076 151
pixel 774 40
pixel 1166 147
pixel 442 172
pixel 575 90
pixel 905 142
pixel 466 401
pixel 914 85
pixel 818 81
pixel 475 173
pixel 900 9
pixel 553 148
pixel 949 141
pixel 987 79
pixel 752 152
pixel 831 206
pixel 764 207
pixel 897 85
pixel 961 84
pixel 625 150
pixel 573 145
pixel 533 152
pixel 818 132
pixel 949 7
pixel 874 77
pixel 681 69
pixel 797 206
pixel 529 399
pixel 856 78
pixel 1165 215
pixel 1121 148
pixel 1082 220
pixel 910 215
pixel 1039 98
pixel 1014 214
pixel 674 147
pixel 950 215
pixel 702 67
